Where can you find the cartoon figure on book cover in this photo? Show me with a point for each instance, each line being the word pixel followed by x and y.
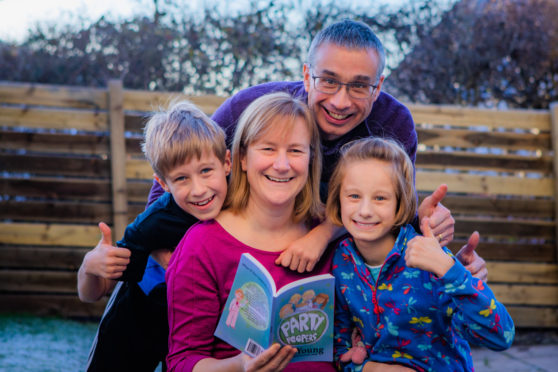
pixel 234 308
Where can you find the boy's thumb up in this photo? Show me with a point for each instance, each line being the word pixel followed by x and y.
pixel 106 237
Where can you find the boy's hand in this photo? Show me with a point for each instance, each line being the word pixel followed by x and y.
pixel 471 260
pixel 441 221
pixel 424 252
pixel 273 359
pixel 105 260
pixel 303 254
pixel 162 256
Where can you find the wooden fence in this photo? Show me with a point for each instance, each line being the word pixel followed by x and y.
pixel 70 157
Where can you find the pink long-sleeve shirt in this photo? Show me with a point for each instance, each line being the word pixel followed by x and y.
pixel 199 278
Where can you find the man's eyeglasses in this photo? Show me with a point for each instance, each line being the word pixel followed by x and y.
pixel 355 89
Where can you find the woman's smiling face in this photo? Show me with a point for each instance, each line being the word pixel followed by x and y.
pixel 276 164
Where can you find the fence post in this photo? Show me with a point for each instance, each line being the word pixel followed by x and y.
pixel 117 157
pixel 554 129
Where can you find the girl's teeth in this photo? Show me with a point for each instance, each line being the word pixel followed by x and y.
pixel 278 179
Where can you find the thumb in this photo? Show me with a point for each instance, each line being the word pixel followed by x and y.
pixel 425 228
pixel 106 233
pixel 468 250
pixel 438 194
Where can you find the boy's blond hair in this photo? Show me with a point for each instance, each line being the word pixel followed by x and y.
pixel 254 122
pixel 402 176
pixel 174 136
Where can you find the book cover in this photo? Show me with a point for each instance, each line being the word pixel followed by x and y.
pixel 299 314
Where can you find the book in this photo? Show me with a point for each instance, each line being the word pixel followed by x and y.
pixel 299 314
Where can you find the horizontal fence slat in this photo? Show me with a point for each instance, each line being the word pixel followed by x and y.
pixel 53 118
pixel 49 234
pixel 63 211
pixel 517 294
pixel 60 165
pixel 62 282
pixel 463 116
pixel 501 227
pixel 534 317
pixel 51 304
pixel 53 95
pixel 493 206
pixel 150 101
pixel 525 273
pixel 506 251
pixel 70 189
pixel 41 257
pixel 480 184
pixel 475 161
pixel 138 169
pixel 463 138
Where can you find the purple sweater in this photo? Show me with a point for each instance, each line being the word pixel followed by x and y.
pixel 198 285
pixel 388 119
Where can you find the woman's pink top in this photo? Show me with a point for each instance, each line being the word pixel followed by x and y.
pixel 199 279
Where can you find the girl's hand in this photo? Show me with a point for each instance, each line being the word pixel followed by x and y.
pixel 384 367
pixel 425 252
pixel 275 358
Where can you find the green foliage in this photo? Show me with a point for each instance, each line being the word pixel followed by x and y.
pixel 489 53
pixel 479 52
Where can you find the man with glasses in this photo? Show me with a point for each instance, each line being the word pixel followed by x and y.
pixel 342 86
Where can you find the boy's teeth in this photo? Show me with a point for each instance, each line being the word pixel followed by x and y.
pixel 204 202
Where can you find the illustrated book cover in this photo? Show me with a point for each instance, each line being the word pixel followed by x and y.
pixel 257 314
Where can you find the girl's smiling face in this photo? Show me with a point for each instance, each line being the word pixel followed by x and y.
pixel 368 203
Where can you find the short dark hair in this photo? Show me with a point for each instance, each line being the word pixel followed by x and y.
pixel 352 35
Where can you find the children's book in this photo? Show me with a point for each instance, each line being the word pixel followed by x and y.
pixel 300 314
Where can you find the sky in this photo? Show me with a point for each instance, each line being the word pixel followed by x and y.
pixel 18 16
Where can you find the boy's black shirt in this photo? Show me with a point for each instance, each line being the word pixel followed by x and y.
pixel 161 226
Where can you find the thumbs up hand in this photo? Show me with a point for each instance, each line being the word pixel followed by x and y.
pixel 468 256
pixel 425 252
pixel 441 221
pixel 105 260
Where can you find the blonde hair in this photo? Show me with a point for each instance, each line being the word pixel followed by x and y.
pixel 173 136
pixel 255 121
pixel 402 176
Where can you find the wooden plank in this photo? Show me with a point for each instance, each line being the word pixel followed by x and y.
pixel 491 205
pixel 463 138
pixel 53 118
pixel 137 100
pixel 21 281
pixel 463 116
pixel 49 234
pixel 63 211
pixel 517 294
pixel 505 228
pixel 13 257
pixel 78 143
pixel 52 95
pixel 139 169
pixel 475 161
pixel 485 185
pixel 55 165
pixel 506 251
pixel 554 125
pixel 526 273
pixel 51 304
pixel 118 157
pixel 56 188
pixel 135 121
pixel 534 317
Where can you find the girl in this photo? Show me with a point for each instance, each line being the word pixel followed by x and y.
pixel 273 196
pixel 411 301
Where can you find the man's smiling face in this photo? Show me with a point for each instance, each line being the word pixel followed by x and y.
pixel 336 114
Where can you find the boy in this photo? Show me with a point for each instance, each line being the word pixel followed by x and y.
pixel 188 154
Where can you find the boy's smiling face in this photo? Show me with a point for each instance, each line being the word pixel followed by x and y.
pixel 199 186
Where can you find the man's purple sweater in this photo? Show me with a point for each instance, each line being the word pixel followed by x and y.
pixel 388 119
